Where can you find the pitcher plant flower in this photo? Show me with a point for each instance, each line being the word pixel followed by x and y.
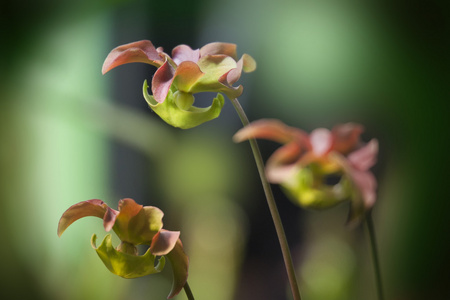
pixel 320 169
pixel 135 225
pixel 213 68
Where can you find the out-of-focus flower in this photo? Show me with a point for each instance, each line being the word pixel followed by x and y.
pixel 135 225
pixel 213 68
pixel 320 169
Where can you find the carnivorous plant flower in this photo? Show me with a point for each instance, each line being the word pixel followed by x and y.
pixel 135 225
pixel 320 169
pixel 212 68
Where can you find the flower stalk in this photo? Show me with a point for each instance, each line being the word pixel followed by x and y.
pixel 187 290
pixel 374 252
pixel 272 206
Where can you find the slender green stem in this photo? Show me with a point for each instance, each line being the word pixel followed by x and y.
pixel 188 291
pixel 272 206
pixel 376 262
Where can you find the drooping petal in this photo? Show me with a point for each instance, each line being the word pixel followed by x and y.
pixel 164 241
pixel 161 82
pixel 94 208
pixel 219 48
pixel 346 137
pixel 126 265
pixel 179 262
pixel 183 53
pixel 367 184
pixel 141 51
pixel 269 129
pixel 321 141
pixel 180 118
pixel 364 158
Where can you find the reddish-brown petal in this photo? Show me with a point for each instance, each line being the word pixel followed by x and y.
pixel 321 141
pixel 141 51
pixel 185 53
pixel 219 48
pixel 164 241
pixel 161 82
pixel 270 129
pixel 346 137
pixel 94 208
pixel 364 158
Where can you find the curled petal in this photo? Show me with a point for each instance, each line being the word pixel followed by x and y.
pixel 161 82
pixel 179 262
pixel 321 141
pixel 281 166
pixel 364 158
pixel 219 48
pixel 270 129
pixel 141 51
pixel 164 241
pixel 346 137
pixel 94 208
pixel 185 53
pixel 126 265
pixel 137 224
pixel 181 118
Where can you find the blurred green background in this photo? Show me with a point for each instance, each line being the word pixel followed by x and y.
pixel 69 134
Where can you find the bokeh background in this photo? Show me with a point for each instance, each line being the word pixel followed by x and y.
pixel 69 134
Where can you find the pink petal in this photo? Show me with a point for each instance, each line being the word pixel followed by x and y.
pixel 367 184
pixel 164 241
pixel 233 75
pixel 219 48
pixel 94 208
pixel 179 262
pixel 346 137
pixel 161 82
pixel 185 53
pixel 321 141
pixel 141 51
pixel 364 158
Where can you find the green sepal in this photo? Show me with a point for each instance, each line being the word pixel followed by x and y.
pixel 178 117
pixel 126 265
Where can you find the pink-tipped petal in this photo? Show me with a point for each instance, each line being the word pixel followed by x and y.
pixel 161 82
pixel 233 75
pixel 321 141
pixel 141 51
pixel 164 241
pixel 364 158
pixel 94 208
pixel 219 48
pixel 185 53
pixel 346 137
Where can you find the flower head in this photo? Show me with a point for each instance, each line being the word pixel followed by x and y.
pixel 213 68
pixel 135 225
pixel 320 169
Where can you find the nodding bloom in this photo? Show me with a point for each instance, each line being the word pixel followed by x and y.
pixel 320 169
pixel 135 225
pixel 212 68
